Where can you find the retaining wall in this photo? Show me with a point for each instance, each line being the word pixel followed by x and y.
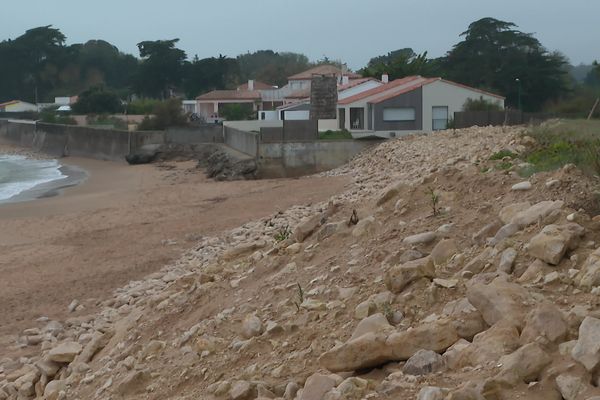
pixel 242 141
pixel 289 159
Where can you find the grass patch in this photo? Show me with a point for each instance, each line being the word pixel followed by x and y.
pixel 565 142
pixel 335 135
pixel 504 165
pixel 503 153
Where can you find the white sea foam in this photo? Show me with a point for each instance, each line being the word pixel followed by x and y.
pixel 18 174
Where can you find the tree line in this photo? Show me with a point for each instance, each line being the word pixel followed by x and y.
pixel 491 55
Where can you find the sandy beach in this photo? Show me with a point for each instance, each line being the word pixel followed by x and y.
pixel 122 223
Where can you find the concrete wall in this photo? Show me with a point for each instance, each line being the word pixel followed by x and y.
pixel 19 133
pixel 206 133
pixel 242 141
pixel 442 93
pixel 302 158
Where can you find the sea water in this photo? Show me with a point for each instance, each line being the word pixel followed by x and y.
pixel 19 173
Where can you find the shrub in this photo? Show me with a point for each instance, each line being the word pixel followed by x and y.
pixel 142 106
pixel 503 153
pixel 237 112
pixel 167 113
pixel 481 104
pixel 98 100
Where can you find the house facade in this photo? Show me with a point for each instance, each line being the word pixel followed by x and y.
pixel 17 106
pixel 265 97
pixel 411 104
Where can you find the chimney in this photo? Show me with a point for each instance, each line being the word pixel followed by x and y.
pixel 385 78
pixel 251 84
pixel 345 79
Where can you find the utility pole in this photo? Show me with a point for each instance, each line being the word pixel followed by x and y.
pixel 519 89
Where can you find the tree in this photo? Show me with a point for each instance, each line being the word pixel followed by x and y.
pixel 399 64
pixel 201 76
pixel 161 69
pixel 98 100
pixel 593 77
pixel 271 67
pixel 493 54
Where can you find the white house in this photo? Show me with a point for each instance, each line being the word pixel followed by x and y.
pixel 411 104
pixel 17 106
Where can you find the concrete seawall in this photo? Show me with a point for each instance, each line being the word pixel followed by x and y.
pixel 274 159
pixel 291 159
pixel 102 144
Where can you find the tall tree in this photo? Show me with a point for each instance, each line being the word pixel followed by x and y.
pixel 593 77
pixel 209 74
pixel 271 67
pixel 399 64
pixel 493 55
pixel 161 69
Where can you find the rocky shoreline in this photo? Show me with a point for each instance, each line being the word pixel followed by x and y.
pixel 436 275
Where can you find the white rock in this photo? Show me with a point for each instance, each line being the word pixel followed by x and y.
pixel 526 185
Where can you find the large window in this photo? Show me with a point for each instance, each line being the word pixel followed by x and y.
pixel 357 118
pixel 440 118
pixel 399 114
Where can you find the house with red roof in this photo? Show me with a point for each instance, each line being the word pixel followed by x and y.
pixel 410 104
pixel 264 97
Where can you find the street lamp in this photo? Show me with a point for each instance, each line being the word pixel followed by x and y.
pixel 519 88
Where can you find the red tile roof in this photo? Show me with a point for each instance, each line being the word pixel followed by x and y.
pixel 322 70
pixel 230 95
pixel 416 85
pixel 8 103
pixel 409 84
pixel 378 90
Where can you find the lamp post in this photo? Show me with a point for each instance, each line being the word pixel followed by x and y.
pixel 519 88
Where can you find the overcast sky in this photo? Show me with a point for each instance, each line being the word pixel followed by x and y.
pixel 351 30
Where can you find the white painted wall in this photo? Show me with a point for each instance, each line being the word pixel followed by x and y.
pixel 269 115
pixel 301 115
pixel 21 106
pixel 441 93
pixel 328 125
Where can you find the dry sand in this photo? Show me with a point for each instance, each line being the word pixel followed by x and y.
pixel 122 223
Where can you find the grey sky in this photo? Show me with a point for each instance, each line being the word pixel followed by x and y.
pixel 351 30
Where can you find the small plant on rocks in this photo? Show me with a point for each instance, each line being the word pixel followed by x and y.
pixel 283 234
pixel 435 199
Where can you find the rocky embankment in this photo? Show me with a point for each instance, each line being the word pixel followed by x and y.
pixel 438 274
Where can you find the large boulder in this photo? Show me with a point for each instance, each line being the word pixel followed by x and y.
pixel 587 349
pixel 525 364
pixel 551 244
pixel 400 276
pixel 424 362
pixel 507 213
pixel 443 250
pixel 488 346
pixel 536 213
pixel 65 352
pixel 368 350
pixel 436 336
pixel 375 323
pixel 500 300
pixel 546 321
pixel 589 276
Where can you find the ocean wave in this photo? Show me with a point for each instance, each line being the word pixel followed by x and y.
pixel 19 173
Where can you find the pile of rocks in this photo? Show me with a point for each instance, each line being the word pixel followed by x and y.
pixel 370 295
